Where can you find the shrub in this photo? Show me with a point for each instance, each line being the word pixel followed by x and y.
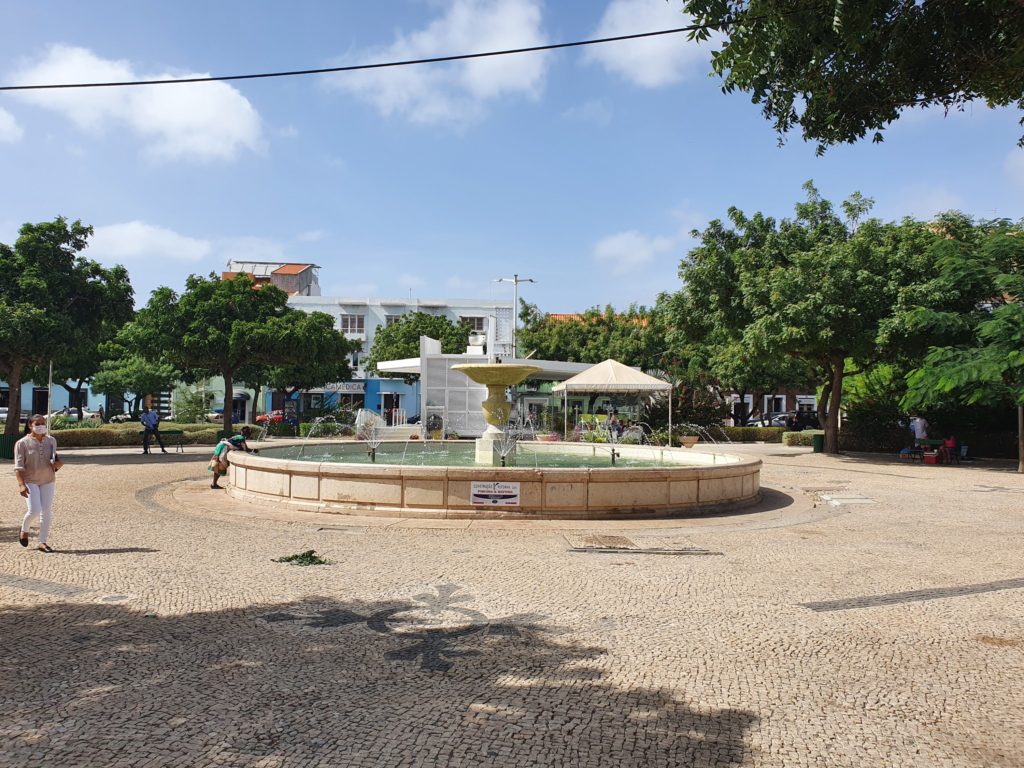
pixel 61 423
pixel 119 436
pixel 801 439
pixel 190 406
pixel 282 429
pixel 754 434
pixel 325 429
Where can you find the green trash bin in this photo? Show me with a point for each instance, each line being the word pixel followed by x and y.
pixel 7 446
pixel 818 441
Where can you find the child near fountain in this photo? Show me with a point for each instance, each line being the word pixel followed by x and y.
pixel 219 460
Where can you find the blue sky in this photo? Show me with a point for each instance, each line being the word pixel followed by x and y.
pixel 584 169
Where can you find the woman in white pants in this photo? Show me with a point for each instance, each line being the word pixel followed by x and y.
pixel 35 466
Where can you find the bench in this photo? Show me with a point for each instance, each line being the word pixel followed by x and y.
pixel 176 437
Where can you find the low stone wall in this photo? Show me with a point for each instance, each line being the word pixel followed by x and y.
pixel 718 481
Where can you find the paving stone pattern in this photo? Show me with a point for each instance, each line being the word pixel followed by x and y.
pixel 163 634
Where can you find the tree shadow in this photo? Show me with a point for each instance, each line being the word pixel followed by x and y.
pixel 890 460
pixel 117 459
pixel 107 551
pixel 421 681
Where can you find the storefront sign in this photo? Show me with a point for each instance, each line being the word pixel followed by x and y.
pixel 349 387
pixel 290 412
pixel 494 494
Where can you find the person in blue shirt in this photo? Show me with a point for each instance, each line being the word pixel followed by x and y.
pixel 151 424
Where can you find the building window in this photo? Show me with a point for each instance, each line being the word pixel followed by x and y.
pixel 353 323
pixel 355 357
pixel 478 324
pixel 391 319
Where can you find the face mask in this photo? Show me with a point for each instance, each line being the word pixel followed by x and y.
pixel 39 429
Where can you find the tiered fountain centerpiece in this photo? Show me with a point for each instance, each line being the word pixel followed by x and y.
pixel 498 377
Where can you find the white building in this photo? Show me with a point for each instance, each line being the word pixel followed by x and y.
pixel 360 317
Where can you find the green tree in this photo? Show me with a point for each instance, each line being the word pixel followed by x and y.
pixel 840 70
pixel 816 288
pixel 55 304
pixel 129 377
pixel 401 339
pixel 985 363
pixel 230 328
pixel 630 336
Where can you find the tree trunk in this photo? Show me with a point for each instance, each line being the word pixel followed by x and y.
pixel 832 425
pixel 1020 438
pixel 227 422
pixel 13 424
pixel 75 395
pixel 826 396
pixel 257 388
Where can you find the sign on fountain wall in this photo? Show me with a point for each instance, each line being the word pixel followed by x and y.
pixel 494 494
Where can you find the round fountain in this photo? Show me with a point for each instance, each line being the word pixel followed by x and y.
pixel 498 377
pixel 500 476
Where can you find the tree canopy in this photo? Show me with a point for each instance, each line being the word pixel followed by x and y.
pixel 401 339
pixel 816 289
pixel 841 70
pixel 982 359
pixel 231 327
pixel 592 336
pixel 55 304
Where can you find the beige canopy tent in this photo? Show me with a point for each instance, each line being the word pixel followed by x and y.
pixel 613 378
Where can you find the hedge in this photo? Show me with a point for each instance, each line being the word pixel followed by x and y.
pixel 803 439
pixel 326 429
pixel 754 434
pixel 88 438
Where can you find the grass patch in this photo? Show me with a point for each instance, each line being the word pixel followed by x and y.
pixel 309 557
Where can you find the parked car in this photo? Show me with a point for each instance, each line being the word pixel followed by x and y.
pixel 216 415
pixel 274 417
pixel 796 422
pixel 72 415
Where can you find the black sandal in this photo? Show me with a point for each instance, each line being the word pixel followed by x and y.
pixel 45 548
pixel 23 539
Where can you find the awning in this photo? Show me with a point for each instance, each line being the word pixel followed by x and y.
pixel 612 377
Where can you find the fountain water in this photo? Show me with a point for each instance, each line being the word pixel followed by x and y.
pixel 498 378
pixel 370 429
pixel 316 427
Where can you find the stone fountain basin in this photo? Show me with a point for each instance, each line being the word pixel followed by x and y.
pixel 494 375
pixel 690 483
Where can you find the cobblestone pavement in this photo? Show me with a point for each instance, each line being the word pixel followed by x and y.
pixel 886 631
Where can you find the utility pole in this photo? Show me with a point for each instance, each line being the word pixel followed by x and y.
pixel 515 280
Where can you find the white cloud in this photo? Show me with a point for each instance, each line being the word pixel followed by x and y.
pixel 1014 166
pixel 650 62
pixel 593 111
pixel 407 280
pixel 136 240
pixel 925 202
pixel 10 131
pixel 311 236
pixel 454 93
pixel 250 248
pixel 288 132
pixel 628 251
pixel 204 122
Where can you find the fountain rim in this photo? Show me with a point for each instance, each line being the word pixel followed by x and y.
pixel 725 459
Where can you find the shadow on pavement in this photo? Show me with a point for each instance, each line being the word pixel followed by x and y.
pixel 110 551
pixel 427 681
pixel 889 460
pixel 114 459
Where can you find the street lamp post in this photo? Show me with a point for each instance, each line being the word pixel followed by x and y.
pixel 515 280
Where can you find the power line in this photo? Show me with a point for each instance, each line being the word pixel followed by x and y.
pixel 356 67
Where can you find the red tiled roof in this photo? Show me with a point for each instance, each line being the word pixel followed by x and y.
pixel 291 269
